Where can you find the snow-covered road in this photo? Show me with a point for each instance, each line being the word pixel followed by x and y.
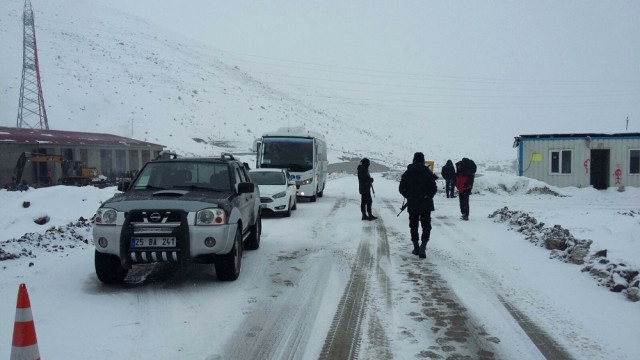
pixel 326 285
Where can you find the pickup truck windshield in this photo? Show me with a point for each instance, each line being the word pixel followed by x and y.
pixel 184 175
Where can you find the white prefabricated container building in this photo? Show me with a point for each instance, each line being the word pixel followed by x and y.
pixel 581 160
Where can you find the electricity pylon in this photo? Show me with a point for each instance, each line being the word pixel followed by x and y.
pixel 31 111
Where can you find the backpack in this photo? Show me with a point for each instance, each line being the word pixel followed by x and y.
pixel 413 186
pixel 469 166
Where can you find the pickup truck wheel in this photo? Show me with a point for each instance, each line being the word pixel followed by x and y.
pixel 109 269
pixel 253 241
pixel 228 265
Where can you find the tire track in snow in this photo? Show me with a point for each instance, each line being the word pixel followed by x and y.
pixel 451 327
pixel 547 346
pixel 358 309
pixel 280 327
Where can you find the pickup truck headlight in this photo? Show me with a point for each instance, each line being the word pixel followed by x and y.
pixel 106 216
pixel 280 194
pixel 211 216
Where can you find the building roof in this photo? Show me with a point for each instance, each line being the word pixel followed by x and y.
pixel 541 137
pixel 580 135
pixel 57 137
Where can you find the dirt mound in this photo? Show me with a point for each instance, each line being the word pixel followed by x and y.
pixel 618 277
pixel 54 240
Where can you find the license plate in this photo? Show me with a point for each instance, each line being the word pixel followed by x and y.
pixel 153 242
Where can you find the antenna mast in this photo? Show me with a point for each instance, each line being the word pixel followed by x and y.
pixel 627 123
pixel 31 111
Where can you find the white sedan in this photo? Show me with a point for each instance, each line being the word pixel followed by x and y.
pixel 277 191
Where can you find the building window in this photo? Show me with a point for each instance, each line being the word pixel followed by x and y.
pixel 560 161
pixel 106 163
pixel 133 160
pixel 121 162
pixel 146 155
pixel 634 161
pixel 84 156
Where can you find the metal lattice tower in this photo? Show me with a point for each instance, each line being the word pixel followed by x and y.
pixel 31 112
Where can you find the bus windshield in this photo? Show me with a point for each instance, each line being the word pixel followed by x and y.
pixel 295 154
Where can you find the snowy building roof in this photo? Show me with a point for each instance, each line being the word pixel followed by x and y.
pixel 627 135
pixel 582 135
pixel 57 137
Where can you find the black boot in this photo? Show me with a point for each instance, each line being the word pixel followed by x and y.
pixel 416 248
pixel 423 249
pixel 371 217
pixel 365 217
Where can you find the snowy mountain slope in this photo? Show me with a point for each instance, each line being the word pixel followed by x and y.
pixel 123 68
pixel 107 71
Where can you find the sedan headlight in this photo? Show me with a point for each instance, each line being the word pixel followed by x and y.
pixel 211 216
pixel 106 216
pixel 279 195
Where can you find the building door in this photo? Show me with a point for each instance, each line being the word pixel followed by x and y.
pixel 600 168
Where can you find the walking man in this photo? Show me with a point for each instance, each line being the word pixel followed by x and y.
pixel 465 174
pixel 418 186
pixel 365 182
pixel 449 174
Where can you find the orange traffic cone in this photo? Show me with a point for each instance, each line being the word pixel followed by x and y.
pixel 25 345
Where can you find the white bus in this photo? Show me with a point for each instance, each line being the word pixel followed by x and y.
pixel 303 153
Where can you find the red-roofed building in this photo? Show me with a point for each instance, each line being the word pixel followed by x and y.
pixel 113 155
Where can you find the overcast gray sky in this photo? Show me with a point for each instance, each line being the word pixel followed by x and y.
pixel 549 66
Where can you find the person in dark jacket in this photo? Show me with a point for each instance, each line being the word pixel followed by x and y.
pixel 464 183
pixel 449 174
pixel 418 186
pixel 365 182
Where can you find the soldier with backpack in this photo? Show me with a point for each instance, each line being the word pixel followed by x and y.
pixel 418 186
pixel 465 174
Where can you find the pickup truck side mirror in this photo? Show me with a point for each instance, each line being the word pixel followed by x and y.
pixel 246 187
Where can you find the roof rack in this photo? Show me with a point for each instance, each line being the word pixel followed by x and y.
pixel 227 156
pixel 164 155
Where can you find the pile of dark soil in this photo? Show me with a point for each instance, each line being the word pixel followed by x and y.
pixel 616 276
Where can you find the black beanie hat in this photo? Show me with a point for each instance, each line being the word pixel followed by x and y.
pixel 418 157
pixel 365 162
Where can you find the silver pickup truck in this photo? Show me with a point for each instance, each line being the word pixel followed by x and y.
pixel 179 210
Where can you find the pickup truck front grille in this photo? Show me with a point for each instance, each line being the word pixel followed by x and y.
pixel 166 223
pixel 155 216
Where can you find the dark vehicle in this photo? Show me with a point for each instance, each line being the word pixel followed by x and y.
pixel 179 210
